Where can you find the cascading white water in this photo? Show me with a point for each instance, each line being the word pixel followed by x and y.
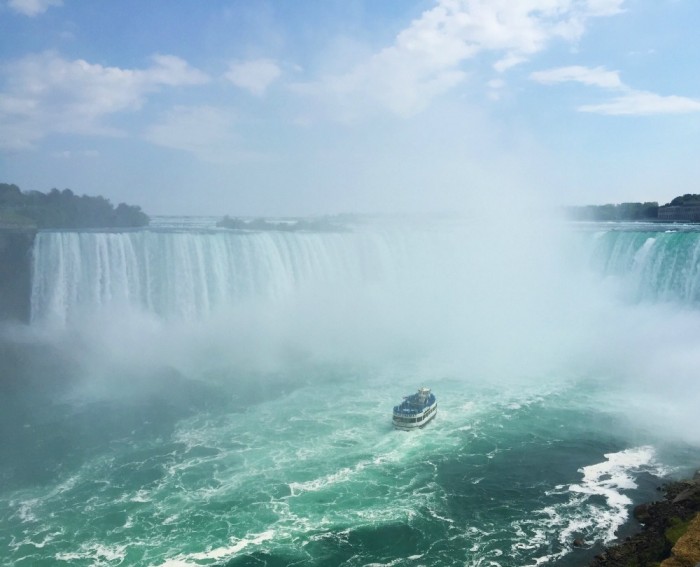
pixel 191 275
pixel 420 287
pixel 660 265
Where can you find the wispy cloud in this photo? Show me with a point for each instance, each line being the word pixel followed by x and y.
pixel 45 93
pixel 254 76
pixel 597 77
pixel 428 57
pixel 628 101
pixel 208 132
pixel 32 8
pixel 639 103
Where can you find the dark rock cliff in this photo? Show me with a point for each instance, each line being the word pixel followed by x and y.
pixel 670 534
pixel 15 273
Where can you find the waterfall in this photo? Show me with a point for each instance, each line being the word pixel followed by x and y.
pixel 653 265
pixel 192 274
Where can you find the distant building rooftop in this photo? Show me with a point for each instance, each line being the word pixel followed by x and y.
pixel 689 213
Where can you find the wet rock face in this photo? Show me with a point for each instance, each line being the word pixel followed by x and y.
pixel 686 552
pixel 15 274
pixel 660 520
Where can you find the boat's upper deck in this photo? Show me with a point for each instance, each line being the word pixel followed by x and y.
pixel 415 403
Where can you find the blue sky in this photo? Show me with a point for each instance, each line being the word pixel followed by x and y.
pixel 315 107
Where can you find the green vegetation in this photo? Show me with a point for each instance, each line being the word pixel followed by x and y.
pixel 687 200
pixel 676 530
pixel 621 212
pixel 11 219
pixel 64 209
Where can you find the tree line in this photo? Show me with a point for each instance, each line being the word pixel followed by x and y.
pixel 620 212
pixel 629 211
pixel 65 209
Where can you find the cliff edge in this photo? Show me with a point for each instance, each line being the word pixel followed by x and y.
pixel 670 536
pixel 686 552
pixel 15 273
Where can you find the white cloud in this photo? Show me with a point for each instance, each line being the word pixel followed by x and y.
pixel 639 103
pixel 45 93
pixel 255 76
pixel 598 76
pixel 427 58
pixel 630 102
pixel 171 71
pixel 33 8
pixel 507 62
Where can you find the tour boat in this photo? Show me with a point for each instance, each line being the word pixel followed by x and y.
pixel 416 410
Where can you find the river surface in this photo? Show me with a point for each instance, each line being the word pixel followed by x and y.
pixel 186 395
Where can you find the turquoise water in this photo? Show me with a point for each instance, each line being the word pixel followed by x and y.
pixel 253 427
pixel 317 475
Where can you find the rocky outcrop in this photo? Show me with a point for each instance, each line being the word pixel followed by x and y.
pixel 686 552
pixel 663 522
pixel 15 273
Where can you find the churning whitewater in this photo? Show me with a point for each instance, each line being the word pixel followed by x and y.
pixel 225 397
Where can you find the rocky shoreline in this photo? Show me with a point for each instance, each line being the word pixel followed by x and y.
pixel 670 535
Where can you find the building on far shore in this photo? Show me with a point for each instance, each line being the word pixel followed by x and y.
pixel 688 213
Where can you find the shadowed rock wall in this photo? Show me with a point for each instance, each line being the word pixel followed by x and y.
pixel 15 273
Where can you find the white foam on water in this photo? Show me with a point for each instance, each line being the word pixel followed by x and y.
pixel 397 561
pixel 326 481
pixel 36 540
pixel 581 516
pixel 218 553
pixel 141 496
pixel 480 539
pixel 98 553
pixel 239 545
pixel 25 510
pixel 68 556
pixel 617 473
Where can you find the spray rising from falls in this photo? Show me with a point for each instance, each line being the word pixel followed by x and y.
pixel 440 284
pixel 429 287
pixel 501 298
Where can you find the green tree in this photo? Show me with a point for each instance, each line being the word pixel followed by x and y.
pixel 63 209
